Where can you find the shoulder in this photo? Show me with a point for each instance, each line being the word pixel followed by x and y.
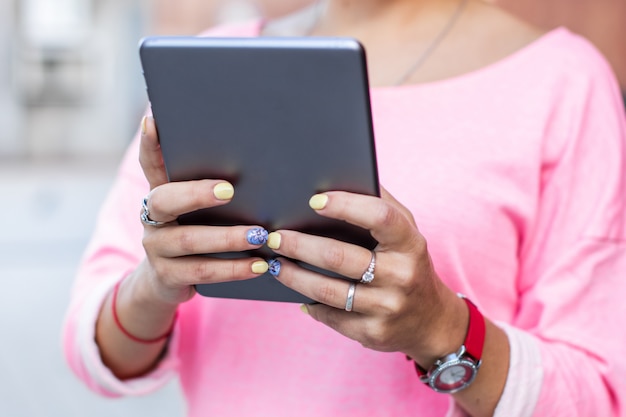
pixel 576 54
pixel 550 51
pixel 573 66
pixel 555 64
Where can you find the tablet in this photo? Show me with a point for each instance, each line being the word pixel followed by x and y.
pixel 280 118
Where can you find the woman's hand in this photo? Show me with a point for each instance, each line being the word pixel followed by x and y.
pixel 406 307
pixel 148 297
pixel 173 262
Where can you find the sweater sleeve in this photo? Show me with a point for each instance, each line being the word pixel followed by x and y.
pixel 114 250
pixel 572 279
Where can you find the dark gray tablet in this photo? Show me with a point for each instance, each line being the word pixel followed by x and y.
pixel 280 118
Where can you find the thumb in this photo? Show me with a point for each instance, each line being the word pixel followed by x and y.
pixel 150 156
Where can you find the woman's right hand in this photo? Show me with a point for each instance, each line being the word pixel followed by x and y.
pixel 173 262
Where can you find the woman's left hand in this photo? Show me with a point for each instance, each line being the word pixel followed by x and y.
pixel 406 308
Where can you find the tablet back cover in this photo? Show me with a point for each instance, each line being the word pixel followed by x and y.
pixel 280 118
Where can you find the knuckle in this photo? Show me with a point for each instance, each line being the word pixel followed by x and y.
pixel 190 194
pixel 147 241
pixel 234 270
pixel 405 277
pixel 200 271
pixel 208 271
pixel 161 269
pixel 334 257
pixel 202 193
pixel 150 241
pixel 156 202
pixel 390 305
pixel 186 241
pixel 230 238
pixel 386 215
pixel 326 293
pixel 406 281
pixel 376 336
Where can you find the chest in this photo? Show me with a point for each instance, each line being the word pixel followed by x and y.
pixel 469 175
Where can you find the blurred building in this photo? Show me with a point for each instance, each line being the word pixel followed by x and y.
pixel 70 78
pixel 9 112
pixel 193 16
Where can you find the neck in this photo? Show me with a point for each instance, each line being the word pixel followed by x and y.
pixel 336 14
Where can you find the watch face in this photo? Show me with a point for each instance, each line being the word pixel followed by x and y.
pixel 453 377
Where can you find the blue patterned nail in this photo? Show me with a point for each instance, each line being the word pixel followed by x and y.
pixel 274 265
pixel 257 236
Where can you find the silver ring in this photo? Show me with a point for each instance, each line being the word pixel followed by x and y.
pixel 350 299
pixel 368 275
pixel 145 215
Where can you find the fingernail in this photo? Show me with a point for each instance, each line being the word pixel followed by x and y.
pixel 224 191
pixel 144 125
pixel 274 267
pixel 273 240
pixel 260 267
pixel 318 201
pixel 256 236
pixel 304 309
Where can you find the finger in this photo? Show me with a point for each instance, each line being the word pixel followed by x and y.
pixel 386 222
pixel 170 200
pixel 332 292
pixel 172 242
pixel 343 258
pixel 346 323
pixel 386 195
pixel 372 334
pixel 150 156
pixel 194 270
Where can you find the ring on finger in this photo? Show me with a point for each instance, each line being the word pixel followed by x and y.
pixel 145 215
pixel 350 299
pixel 368 275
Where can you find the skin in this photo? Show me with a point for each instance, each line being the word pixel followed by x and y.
pixel 407 308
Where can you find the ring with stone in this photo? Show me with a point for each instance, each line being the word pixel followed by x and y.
pixel 145 215
pixel 368 275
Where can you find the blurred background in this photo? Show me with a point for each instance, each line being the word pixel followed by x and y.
pixel 71 95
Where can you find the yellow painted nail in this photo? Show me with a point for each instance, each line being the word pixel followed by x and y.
pixel 224 191
pixel 273 240
pixel 144 125
pixel 260 267
pixel 304 309
pixel 318 201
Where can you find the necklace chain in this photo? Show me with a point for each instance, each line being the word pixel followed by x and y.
pixel 423 57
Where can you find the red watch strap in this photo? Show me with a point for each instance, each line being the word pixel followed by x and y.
pixel 476 329
pixel 474 338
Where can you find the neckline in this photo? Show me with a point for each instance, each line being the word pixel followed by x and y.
pixel 504 62
pixel 498 65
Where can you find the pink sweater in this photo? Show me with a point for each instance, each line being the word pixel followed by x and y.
pixel 516 175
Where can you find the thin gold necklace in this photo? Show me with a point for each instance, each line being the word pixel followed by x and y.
pixel 424 55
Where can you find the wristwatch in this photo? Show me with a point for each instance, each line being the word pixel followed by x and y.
pixel 456 371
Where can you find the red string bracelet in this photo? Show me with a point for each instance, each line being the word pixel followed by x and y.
pixel 129 335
